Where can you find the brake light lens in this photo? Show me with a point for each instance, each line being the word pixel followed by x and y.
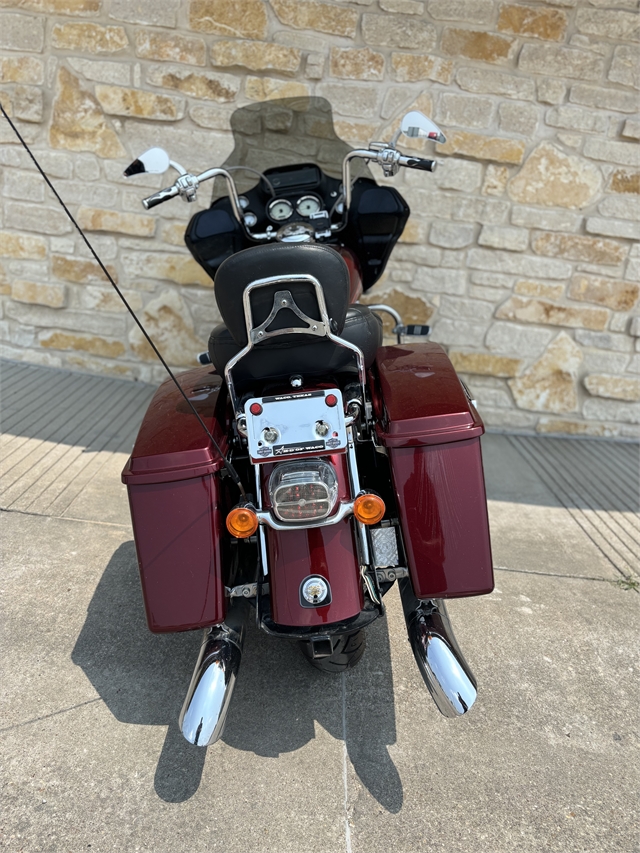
pixel 242 522
pixel 369 509
pixel 303 491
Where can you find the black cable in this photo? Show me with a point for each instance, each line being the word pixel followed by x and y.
pixel 232 471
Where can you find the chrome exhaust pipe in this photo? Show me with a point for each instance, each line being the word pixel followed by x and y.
pixel 205 707
pixel 440 661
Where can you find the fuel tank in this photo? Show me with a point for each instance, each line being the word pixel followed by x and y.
pixel 175 504
pixel 432 435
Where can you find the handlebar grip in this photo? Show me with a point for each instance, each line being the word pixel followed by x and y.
pixel 415 163
pixel 159 197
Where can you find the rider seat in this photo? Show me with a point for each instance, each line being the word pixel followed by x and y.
pixel 294 353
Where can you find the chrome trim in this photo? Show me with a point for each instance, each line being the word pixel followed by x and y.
pixel 440 661
pixel 246 590
pixel 319 328
pixel 354 482
pixel 205 707
pixel 265 518
pixel 397 331
pixel 262 551
pixel 390 575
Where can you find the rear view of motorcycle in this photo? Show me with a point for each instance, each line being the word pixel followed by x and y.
pixel 304 468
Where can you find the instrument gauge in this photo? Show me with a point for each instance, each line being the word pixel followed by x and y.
pixel 307 205
pixel 279 209
pixel 250 219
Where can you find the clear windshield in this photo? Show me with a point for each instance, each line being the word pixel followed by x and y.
pixel 284 132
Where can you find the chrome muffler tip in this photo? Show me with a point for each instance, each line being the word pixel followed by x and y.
pixel 440 661
pixel 205 707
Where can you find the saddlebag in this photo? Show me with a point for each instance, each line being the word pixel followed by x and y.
pixel 175 499
pixel 432 435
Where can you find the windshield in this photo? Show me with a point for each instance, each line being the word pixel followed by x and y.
pixel 284 132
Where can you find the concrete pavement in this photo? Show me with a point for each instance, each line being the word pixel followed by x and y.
pixel 91 756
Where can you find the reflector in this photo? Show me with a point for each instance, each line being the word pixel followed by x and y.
pixel 369 509
pixel 242 522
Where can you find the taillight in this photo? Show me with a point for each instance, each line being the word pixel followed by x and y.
pixel 303 491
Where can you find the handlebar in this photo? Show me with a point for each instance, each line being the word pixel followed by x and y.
pixel 416 163
pixel 159 197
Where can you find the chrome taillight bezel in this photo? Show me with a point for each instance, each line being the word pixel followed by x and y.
pixel 317 477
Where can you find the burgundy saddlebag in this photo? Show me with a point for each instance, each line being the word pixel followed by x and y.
pixel 432 434
pixel 175 505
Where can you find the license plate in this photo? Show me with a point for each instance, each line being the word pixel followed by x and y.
pixel 287 426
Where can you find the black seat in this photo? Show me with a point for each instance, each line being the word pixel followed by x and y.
pixel 295 353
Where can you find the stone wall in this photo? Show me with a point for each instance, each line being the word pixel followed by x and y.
pixel 521 250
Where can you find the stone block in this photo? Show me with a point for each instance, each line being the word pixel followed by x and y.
pixel 549 385
pixel 625 67
pixel 410 68
pixel 631 129
pixel 89 38
pixel 574 118
pixel 485 364
pixel 402 7
pixel 502 237
pixel 35 217
pixel 414 232
pixel 518 118
pixel 28 104
pixel 82 343
pixel 554 179
pixel 618 295
pixel 603 99
pixel 559 61
pixel 106 299
pixel 479 45
pixel 170 47
pixel 267 88
pixel 551 91
pixel 612 387
pixel 451 235
pixel 462 175
pixel 550 314
pixel 208 116
pixel 603 340
pixel 53 295
pixel 483 147
pixel 22 246
pixel 317 16
pixel 180 269
pixel 77 8
pixel 609 24
pixel 613 227
pixel 79 321
pixel 464 110
pixel 440 280
pixel 457 308
pixel 576 247
pixel 314 67
pixel 24 186
pixel 356 63
pixel 457 333
pixel 78 122
pixel 87 169
pixel 170 326
pixel 206 85
pixel 155 13
pixel 495 180
pixel 398 31
pixel 512 264
pixel 79 270
pixel 351 100
pixel 355 133
pixel 413 309
pixel 256 56
pixel 466 11
pixel 546 426
pixel 21 69
pixel 620 207
pixel 611 410
pixel 94 219
pixel 533 22
pixel 539 289
pixel 22 32
pixel 103 71
pixel 230 18
pixel 624 153
pixel 120 101
pixel 549 220
pixel 487 81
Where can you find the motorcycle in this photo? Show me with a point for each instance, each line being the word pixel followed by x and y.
pixel 304 468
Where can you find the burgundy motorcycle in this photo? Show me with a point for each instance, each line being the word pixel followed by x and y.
pixel 304 468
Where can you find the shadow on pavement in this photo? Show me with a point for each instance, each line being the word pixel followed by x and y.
pixel 143 678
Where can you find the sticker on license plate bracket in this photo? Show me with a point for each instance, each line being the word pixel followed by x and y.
pixel 294 425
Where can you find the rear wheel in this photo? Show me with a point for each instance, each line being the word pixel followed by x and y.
pixel 347 651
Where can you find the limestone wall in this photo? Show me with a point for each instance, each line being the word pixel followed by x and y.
pixel 521 251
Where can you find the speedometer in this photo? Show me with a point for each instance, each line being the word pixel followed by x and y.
pixel 307 205
pixel 279 209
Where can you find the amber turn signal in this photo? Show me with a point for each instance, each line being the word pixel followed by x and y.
pixel 242 522
pixel 369 509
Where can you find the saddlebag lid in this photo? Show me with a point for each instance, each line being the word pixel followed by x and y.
pixel 171 444
pixel 420 399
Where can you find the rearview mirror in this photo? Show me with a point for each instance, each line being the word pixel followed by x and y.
pixel 155 161
pixel 415 124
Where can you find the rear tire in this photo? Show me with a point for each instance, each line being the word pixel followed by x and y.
pixel 347 651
